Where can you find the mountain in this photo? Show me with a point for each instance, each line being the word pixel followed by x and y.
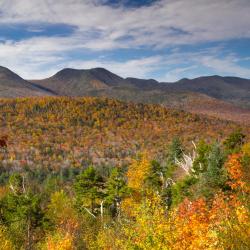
pixel 73 82
pixel 12 85
pixel 231 89
pixel 223 97
pixel 202 104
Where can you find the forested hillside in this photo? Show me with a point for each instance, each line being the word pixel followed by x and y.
pixel 82 130
pixel 96 173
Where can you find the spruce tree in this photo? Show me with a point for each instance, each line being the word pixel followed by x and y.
pixel 116 190
pixel 155 178
pixel 21 211
pixel 174 151
pixel 201 161
pixel 214 178
pixel 88 188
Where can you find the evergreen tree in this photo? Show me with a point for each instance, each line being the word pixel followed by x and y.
pixel 201 161
pixel 116 190
pixel 16 183
pixel 21 211
pixel 234 141
pixel 174 151
pixel 214 177
pixel 155 178
pixel 89 188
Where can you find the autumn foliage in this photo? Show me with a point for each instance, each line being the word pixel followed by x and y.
pixel 95 173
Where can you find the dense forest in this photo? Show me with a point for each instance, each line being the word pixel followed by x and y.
pixel 96 173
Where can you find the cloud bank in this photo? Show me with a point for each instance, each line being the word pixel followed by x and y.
pixel 101 28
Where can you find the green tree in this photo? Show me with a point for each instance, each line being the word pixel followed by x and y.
pixel 201 161
pixel 174 151
pixel 155 178
pixel 23 216
pixel 214 177
pixel 89 188
pixel 234 142
pixel 116 190
pixel 181 189
pixel 16 183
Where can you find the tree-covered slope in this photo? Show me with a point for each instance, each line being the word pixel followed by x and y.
pixel 67 131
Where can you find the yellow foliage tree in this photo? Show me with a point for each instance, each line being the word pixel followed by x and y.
pixel 59 241
pixel 62 213
pixel 5 243
pixel 136 175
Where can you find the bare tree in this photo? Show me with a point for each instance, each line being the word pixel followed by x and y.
pixel 187 161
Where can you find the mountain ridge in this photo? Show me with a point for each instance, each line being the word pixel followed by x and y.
pixel 225 97
pixel 12 85
pixel 74 82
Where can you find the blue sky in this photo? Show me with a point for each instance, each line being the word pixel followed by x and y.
pixel 164 39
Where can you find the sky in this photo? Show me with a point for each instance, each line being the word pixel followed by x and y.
pixel 162 39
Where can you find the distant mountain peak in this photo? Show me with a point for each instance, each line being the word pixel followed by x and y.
pixel 80 82
pixel 12 85
pixel 100 69
pixel 105 76
pixel 6 73
pixel 184 80
pixel 66 72
pixel 3 69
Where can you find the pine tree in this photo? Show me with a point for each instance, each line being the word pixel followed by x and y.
pixel 214 178
pixel 175 151
pixel 155 179
pixel 89 188
pixel 21 211
pixel 116 190
pixel 201 161
pixel 16 183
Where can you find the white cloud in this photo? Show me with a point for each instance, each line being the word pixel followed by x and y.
pixel 209 59
pixel 141 68
pixel 225 66
pixel 38 58
pixel 176 74
pixel 167 23
pixel 41 57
